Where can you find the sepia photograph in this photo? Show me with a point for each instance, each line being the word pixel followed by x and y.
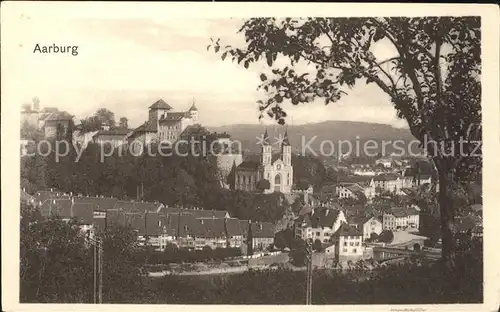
pixel 246 158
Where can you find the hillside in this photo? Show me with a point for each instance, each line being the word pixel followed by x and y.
pixel 331 131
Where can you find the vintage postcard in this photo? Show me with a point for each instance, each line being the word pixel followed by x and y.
pixel 173 156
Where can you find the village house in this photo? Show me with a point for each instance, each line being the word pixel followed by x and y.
pixel 350 190
pixel 114 137
pixel 367 225
pixel 262 235
pixel 385 162
pixel 236 232
pixel 67 209
pixel 348 242
pixel 391 183
pixel 318 223
pixel 401 218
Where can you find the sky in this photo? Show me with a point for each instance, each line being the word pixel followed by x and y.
pixel 125 65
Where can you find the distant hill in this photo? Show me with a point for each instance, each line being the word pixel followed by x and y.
pixel 329 132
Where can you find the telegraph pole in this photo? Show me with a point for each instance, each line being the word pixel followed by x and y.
pixel 100 269
pixel 95 271
pixel 308 273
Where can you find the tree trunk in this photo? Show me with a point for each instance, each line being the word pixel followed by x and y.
pixel 447 213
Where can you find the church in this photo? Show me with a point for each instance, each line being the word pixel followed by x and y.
pixel 274 167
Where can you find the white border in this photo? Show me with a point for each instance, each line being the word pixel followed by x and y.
pixel 11 20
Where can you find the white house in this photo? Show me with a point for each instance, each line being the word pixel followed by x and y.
pixel 348 243
pixel 367 225
pixel 320 223
pixel 401 218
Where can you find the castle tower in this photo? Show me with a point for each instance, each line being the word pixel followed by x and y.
pixel 157 110
pixel 286 150
pixel 193 112
pixel 266 150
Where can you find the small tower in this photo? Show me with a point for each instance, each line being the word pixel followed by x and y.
pixel 158 109
pixel 286 150
pixel 193 113
pixel 266 150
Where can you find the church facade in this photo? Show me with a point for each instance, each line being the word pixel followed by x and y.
pixel 276 168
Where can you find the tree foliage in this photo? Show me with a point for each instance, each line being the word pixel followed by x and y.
pixel 263 185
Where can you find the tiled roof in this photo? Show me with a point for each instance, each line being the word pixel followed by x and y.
pixel 355 179
pixel 150 223
pixel 235 228
pixel 113 132
pixel 174 116
pixel 403 212
pixel 196 213
pixel 360 219
pixel 137 207
pixel 248 165
pixel 319 217
pixel 42 196
pixel 355 188
pixel 208 228
pixel 347 230
pixel 275 156
pixel 98 203
pixel 66 209
pixel 386 177
pixel 160 104
pixel 57 116
pixel 147 127
pixel 262 230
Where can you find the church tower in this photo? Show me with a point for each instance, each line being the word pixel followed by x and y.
pixel 286 150
pixel 193 113
pixel 266 150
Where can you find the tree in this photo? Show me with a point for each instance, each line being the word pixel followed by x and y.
pixel 95 122
pixel 263 185
pixel 373 237
pixel 317 245
pixel 105 116
pixel 31 132
pixel 433 80
pixel 302 185
pixel 124 123
pixel 280 240
pixel 298 253
pixel 385 236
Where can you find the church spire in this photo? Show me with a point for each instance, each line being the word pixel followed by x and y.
pixel 193 107
pixel 285 139
pixel 265 140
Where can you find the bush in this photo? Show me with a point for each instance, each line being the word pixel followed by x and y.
pixel 317 246
pixel 386 236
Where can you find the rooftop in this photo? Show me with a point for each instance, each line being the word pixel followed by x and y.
pixel 160 104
